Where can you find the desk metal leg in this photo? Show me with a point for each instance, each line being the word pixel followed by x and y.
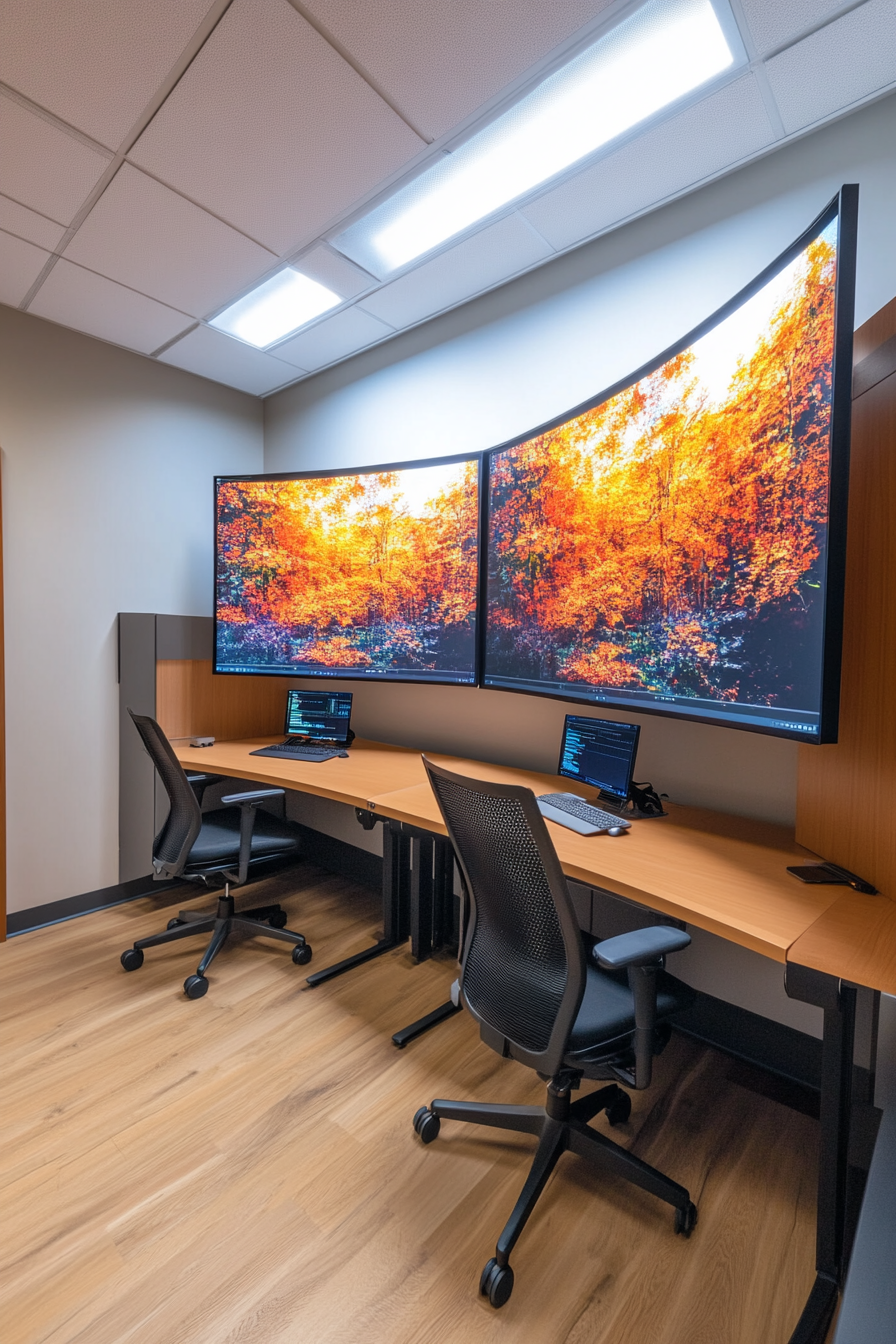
pixel 396 905
pixel 422 896
pixel 433 882
pixel 423 1024
pixel 839 1004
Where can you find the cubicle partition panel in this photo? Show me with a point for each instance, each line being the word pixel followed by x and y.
pixel 165 670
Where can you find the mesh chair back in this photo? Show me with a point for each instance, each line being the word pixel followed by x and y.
pixel 184 821
pixel 523 964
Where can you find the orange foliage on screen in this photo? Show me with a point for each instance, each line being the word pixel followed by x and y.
pixel 657 540
pixel 366 572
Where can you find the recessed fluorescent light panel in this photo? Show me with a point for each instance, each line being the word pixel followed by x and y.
pixel 281 305
pixel 664 51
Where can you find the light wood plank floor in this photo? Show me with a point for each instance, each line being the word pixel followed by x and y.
pixel 242 1169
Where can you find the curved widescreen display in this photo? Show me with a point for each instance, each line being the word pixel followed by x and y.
pixel 362 574
pixel 677 546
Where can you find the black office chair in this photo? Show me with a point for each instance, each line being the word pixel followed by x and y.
pixel 211 849
pixel 539 999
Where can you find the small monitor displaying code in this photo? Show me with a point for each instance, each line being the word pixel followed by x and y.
pixel 600 752
pixel 322 716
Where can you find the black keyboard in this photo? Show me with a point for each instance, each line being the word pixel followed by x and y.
pixel 302 751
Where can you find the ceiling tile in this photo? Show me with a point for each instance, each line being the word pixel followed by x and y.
pixel 95 65
pixel 334 271
pixel 851 59
pixel 88 302
pixel 152 240
pixel 333 339
pixel 498 252
pixel 272 130
pixel 678 153
pixel 42 166
pixel 213 355
pixel 20 265
pixel 438 61
pixel 15 218
pixel 773 23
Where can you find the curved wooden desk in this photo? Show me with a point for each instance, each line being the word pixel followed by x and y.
pixel 723 873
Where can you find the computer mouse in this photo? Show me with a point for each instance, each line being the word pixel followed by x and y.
pixel 343 753
pixel 616 830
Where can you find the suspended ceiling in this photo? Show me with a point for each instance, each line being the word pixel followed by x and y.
pixel 157 161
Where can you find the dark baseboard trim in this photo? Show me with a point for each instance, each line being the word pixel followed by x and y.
pixel 358 865
pixel 56 912
pixel 784 1051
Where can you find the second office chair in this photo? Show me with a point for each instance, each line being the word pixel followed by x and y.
pixel 539 999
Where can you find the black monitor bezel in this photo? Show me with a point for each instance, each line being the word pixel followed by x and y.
pixel 843 206
pixel 304 690
pixel 347 674
pixel 618 723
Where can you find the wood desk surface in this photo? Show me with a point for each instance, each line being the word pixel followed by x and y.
pixel 723 873
pixel 855 939
pixel 370 767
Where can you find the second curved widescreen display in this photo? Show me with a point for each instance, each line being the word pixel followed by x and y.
pixel 669 548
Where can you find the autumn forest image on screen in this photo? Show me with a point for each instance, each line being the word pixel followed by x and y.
pixel 367 574
pixel 671 540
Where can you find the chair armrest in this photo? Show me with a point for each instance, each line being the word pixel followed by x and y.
pixel 641 954
pixel 252 797
pixel 247 802
pixel 199 781
pixel 639 948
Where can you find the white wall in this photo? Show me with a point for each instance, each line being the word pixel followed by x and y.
pixel 107 465
pixel 523 354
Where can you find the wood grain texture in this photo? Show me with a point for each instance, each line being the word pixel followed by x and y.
pixel 854 939
pixel 190 700
pixel 847 791
pixel 724 873
pixel 370 767
pixel 243 1168
pixel 873 333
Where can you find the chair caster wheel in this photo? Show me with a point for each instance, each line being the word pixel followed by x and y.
pixel 301 955
pixel 278 920
pixel 686 1220
pixel 619 1110
pixel 195 986
pixel 174 923
pixel 427 1125
pixel 132 960
pixel 496 1283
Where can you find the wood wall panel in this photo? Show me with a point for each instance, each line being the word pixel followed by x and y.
pixel 874 332
pixel 190 700
pixel 847 792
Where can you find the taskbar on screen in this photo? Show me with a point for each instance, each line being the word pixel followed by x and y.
pixel 348 673
pixel 797 723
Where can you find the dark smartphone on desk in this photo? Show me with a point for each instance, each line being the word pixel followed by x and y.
pixel 830 874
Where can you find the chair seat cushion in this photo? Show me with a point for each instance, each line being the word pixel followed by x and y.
pixel 607 1011
pixel 219 839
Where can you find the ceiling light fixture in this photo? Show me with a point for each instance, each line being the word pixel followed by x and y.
pixel 276 308
pixel 662 52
